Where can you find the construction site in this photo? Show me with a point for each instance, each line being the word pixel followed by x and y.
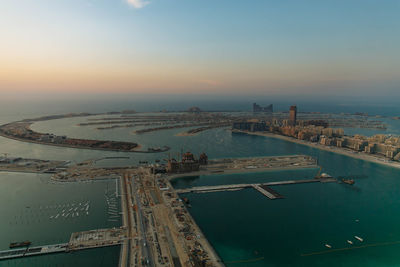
pixel 18 164
pixel 157 229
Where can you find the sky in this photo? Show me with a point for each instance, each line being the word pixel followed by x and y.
pixel 332 48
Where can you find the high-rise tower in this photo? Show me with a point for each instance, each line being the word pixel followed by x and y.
pixel 293 115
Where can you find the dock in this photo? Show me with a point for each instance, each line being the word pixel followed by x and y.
pixel 262 187
pixel 268 192
pixel 78 241
pixel 33 251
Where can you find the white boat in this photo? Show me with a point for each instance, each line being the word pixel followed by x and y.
pixel 328 246
pixel 358 238
pixel 348 241
pixel 57 216
pixel 87 213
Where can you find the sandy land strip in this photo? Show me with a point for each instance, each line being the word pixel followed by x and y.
pixel 186 134
pixel 343 151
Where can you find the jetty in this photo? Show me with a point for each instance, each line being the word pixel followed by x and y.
pixel 32 251
pixel 262 187
pixel 78 241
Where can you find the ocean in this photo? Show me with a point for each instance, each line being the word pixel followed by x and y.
pixel 245 228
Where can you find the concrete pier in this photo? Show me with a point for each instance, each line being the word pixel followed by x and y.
pixel 78 241
pixel 272 192
pixel 33 251
pixel 259 187
pixel 266 191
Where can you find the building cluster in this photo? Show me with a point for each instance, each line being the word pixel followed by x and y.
pixel 251 126
pixel 258 108
pixel 188 163
pixel 387 146
pixel 194 110
pixel 51 138
pixel 317 131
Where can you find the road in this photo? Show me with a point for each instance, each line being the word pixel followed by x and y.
pixel 144 243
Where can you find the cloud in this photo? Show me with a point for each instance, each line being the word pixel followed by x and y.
pixel 138 3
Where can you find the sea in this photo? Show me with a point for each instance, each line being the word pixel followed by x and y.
pixel 244 227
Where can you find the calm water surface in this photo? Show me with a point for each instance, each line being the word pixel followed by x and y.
pixel 245 228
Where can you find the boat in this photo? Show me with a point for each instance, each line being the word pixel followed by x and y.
pixel 328 246
pixel 20 244
pixel 358 238
pixel 350 242
pixel 348 181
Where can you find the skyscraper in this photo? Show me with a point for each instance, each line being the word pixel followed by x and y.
pixel 293 115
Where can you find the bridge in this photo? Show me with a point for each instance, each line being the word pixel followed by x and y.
pixel 262 187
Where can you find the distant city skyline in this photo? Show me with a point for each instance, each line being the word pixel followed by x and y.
pixel 277 48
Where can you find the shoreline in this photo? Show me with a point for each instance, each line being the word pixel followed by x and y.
pixel 333 149
pixel 69 146
pixel 81 147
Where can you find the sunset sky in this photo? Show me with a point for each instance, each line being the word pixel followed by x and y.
pixel 207 47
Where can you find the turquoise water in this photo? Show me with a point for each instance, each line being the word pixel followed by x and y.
pixel 241 225
pixel 245 225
